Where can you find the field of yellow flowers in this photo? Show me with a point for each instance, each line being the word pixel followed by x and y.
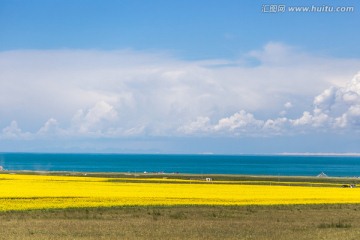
pixel 24 192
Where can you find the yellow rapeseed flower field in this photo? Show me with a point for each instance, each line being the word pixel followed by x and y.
pixel 22 192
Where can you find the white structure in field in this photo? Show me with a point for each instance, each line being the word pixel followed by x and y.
pixel 322 174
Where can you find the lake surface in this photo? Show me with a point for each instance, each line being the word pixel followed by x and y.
pixel 334 166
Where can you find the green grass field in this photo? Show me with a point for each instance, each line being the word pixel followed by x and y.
pixel 201 222
pixel 292 180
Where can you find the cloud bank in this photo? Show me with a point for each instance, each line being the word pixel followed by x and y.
pixel 276 90
pixel 336 109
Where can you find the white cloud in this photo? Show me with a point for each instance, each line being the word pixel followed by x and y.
pixel 127 93
pixel 341 104
pixel 13 131
pixel 241 121
pixel 326 99
pixel 50 127
pixel 276 126
pixel 288 105
pixel 317 119
pixel 201 124
pixel 333 110
pixel 95 118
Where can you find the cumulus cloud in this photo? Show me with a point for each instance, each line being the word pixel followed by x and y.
pixel 334 109
pixel 340 106
pixel 241 121
pixel 13 131
pixel 51 127
pixel 276 126
pixel 128 93
pixel 201 124
pixel 317 119
pixel 94 119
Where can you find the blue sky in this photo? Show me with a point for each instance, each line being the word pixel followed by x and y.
pixel 179 77
pixel 193 29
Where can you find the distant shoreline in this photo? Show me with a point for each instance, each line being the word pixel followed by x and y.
pixel 194 154
pixel 191 176
pixel 321 154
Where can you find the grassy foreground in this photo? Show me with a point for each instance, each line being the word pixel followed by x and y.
pixel 141 207
pixel 195 222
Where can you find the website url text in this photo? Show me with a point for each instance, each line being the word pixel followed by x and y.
pixel 280 8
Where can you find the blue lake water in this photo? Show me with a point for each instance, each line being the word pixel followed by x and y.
pixel 345 166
